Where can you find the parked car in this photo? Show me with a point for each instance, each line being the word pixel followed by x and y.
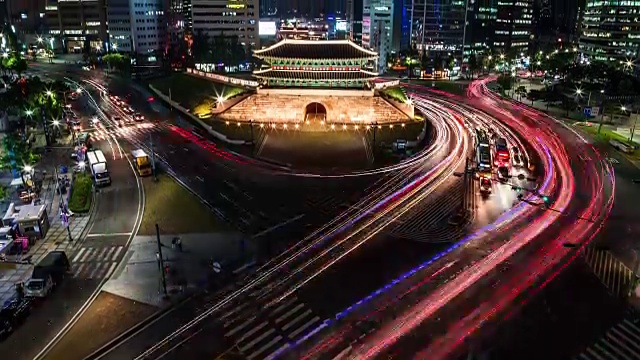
pixel 12 314
pixel 49 272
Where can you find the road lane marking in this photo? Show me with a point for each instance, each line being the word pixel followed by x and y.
pixel 257 340
pixel 264 347
pixel 109 234
pixel 79 254
pixel 239 327
pixel 84 257
pixel 115 255
pixel 253 331
pixel 303 327
pixel 289 313
pixel 296 319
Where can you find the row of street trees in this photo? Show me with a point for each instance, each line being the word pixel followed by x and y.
pixel 29 106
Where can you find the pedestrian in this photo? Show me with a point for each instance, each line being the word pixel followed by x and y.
pixel 20 290
pixel 179 243
pixel 173 243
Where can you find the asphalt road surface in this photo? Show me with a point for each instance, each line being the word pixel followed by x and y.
pixel 93 260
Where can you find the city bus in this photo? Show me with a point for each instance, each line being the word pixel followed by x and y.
pixel 483 152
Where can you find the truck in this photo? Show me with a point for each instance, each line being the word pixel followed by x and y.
pixel 98 166
pixel 142 162
pixel 49 272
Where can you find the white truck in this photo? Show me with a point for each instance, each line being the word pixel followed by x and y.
pixel 98 166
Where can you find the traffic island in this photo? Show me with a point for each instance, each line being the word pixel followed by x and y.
pixel 134 293
pixel 81 194
pixel 108 316
pixel 175 209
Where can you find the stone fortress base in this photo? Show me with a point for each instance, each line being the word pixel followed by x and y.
pixel 351 107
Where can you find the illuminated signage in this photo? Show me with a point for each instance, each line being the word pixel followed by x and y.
pixel 267 28
pixel 341 25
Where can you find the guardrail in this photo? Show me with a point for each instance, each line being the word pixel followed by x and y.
pixel 201 123
pixel 223 79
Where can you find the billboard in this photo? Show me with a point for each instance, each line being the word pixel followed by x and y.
pixel 267 28
pixel 341 25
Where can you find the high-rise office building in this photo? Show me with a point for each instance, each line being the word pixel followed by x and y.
pixel 229 18
pixel 268 8
pixel 354 15
pixel 611 30
pixel 137 27
pixel 78 25
pixel 481 19
pixel 513 27
pixel 384 28
pixel 437 25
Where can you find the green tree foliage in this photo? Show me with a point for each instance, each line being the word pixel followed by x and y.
pixel 17 152
pixel 474 65
pixel 505 81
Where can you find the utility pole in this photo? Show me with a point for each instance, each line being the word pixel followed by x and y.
pixel 170 100
pixel 161 261
pixel 633 129
pixel 153 158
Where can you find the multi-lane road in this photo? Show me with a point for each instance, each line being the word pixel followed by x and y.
pixel 353 286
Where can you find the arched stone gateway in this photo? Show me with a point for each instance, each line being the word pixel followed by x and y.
pixel 315 111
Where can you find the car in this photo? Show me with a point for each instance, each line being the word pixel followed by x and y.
pixel 128 109
pixel 39 288
pixel 516 160
pixel 117 121
pixel 515 150
pixel 138 117
pixel 485 185
pixel 503 173
pixel 13 313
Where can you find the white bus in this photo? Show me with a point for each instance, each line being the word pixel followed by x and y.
pixel 98 166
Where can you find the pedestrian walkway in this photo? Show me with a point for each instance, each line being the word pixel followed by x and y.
pixel 95 262
pixel 262 334
pixel 622 341
pixel 126 131
pixel 57 237
pixel 138 276
pixel 612 272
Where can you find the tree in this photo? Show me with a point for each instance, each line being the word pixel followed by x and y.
pixel 20 66
pixel 505 81
pixel 17 153
pixel 568 104
pixel 474 65
pixel 521 91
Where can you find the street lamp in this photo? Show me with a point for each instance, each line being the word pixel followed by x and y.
pixel 49 93
pixel 5 55
pixel 40 39
pixel 29 112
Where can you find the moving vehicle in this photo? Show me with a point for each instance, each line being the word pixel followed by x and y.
pixel 142 162
pixel 503 173
pixel 117 121
pixel 621 146
pixel 485 185
pixel 502 153
pixel 98 166
pixel 49 272
pixel 483 152
pixel 138 117
pixel 516 158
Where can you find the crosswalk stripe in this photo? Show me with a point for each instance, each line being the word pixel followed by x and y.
pixel 296 319
pixel 634 328
pixel 257 340
pixel 283 305
pixel 613 273
pixel 289 313
pixel 103 270
pixel 115 255
pixel 252 331
pixel 95 270
pixel 616 349
pixel 104 250
pixel 239 327
pixel 303 327
pixel 75 258
pixel 111 269
pixel 84 257
pixel 264 347
pixel 595 354
pixel 111 250
pixel 79 269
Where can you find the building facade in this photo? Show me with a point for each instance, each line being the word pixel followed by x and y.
pixel 137 26
pixel 482 18
pixel 384 29
pixel 513 27
pixel 355 12
pixel 229 18
pixel 77 26
pixel 611 30
pixel 437 25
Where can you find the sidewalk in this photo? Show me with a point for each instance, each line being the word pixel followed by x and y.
pixel 138 277
pixel 57 237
